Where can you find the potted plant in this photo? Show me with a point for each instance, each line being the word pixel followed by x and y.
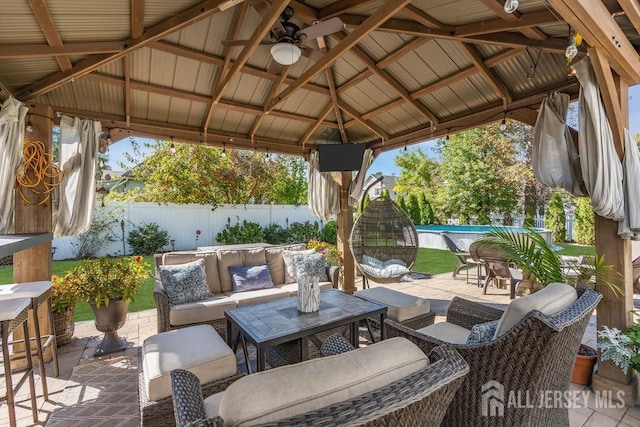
pixel 109 285
pixel 622 348
pixel 64 295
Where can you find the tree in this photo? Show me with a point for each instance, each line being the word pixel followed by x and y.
pixel 555 219
pixel 584 222
pixel 481 172
pixel 414 209
pixel 416 172
pixel 402 204
pixel 206 175
pixel 385 194
pixel 366 201
pixel 426 212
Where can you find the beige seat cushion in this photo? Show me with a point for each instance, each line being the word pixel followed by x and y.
pixel 292 288
pixel 212 405
pixel 400 306
pixel 201 311
pixel 210 265
pixel 552 299
pixel 257 296
pixel 276 264
pixel 447 332
pixel 255 256
pixel 198 349
pixel 228 259
pixel 291 390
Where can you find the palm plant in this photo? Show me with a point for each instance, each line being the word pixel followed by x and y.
pixel 531 253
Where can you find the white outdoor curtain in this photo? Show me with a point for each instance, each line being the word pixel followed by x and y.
pixel 323 193
pixel 601 167
pixel 355 191
pixel 554 158
pixel 11 143
pixel 79 141
pixel 629 228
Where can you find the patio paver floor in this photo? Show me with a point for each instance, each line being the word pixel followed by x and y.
pixel 438 289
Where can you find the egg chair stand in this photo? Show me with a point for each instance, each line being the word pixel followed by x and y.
pixel 384 242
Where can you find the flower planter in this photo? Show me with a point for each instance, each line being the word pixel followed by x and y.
pixel 583 369
pixel 110 318
pixel 63 325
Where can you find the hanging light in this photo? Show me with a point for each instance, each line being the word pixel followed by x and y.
pixel 503 125
pixel 405 148
pixel 572 50
pixel 172 147
pixel 29 127
pixel 224 150
pixel 447 138
pixel 285 53
pixel 109 140
pixel 510 6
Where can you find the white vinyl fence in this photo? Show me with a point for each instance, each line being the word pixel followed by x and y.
pixel 182 222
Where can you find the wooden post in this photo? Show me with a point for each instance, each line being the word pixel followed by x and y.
pixel 345 224
pixel 615 310
pixel 34 264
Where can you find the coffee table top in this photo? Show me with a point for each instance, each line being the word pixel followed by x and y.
pixel 279 321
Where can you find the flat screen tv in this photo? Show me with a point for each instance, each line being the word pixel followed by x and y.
pixel 340 157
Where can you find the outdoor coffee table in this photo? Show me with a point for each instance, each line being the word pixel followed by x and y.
pixel 279 322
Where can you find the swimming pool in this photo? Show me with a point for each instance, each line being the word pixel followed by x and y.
pixel 462 235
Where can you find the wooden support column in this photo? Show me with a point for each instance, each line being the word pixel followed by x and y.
pixel 34 264
pixel 615 310
pixel 345 224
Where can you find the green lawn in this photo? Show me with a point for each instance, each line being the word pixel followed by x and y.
pixel 432 261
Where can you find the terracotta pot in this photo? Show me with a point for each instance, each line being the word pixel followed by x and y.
pixel 110 318
pixel 63 325
pixel 583 369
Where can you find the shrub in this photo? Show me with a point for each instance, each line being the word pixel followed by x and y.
pixel 247 232
pixel 414 209
pixel 529 220
pixel 555 219
pixel 86 245
pixel 275 234
pixel 332 254
pixel 402 204
pixel 302 233
pixel 584 225
pixel 426 211
pixel 329 233
pixel 147 239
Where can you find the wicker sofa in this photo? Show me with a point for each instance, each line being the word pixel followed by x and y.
pixel 533 357
pixel 394 384
pixel 217 262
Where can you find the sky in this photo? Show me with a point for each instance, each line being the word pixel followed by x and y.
pixel 385 162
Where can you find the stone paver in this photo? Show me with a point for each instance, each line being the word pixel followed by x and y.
pixel 439 290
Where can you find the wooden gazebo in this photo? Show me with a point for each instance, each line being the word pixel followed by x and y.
pixel 398 73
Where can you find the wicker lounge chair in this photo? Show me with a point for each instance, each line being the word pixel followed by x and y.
pixel 464 258
pixel 535 356
pixel 419 399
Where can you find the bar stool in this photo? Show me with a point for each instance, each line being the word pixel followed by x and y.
pixel 13 313
pixel 38 293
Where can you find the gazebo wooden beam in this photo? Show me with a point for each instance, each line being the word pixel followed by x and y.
pixel 388 9
pixel 275 87
pixel 45 21
pixel 216 60
pixel 593 20
pixel 393 83
pixel 366 123
pixel 126 70
pixel 136 24
pixel 334 95
pixel 472 53
pixel 424 19
pixel 173 24
pixel 542 17
pixel 15 51
pixel 194 97
pixel 632 10
pixel 503 38
pixel 497 7
pixel 340 7
pixel 313 127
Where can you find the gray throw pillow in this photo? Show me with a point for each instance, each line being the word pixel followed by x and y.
pixel 250 277
pixel 184 283
pixel 290 264
pixel 482 332
pixel 311 265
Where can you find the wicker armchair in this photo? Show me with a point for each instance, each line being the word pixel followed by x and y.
pixel 535 357
pixel 418 399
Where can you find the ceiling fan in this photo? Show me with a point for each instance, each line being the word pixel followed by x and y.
pixel 287 39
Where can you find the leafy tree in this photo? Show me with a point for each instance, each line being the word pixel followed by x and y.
pixel 555 219
pixel 385 195
pixel 402 204
pixel 416 172
pixel 426 212
pixel 481 172
pixel 366 201
pixel 414 209
pixel 529 217
pixel 206 175
pixel 329 232
pixel 584 222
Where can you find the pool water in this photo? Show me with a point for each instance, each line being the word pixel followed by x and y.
pixel 468 228
pixel 463 235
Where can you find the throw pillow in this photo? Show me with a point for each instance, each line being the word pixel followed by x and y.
pixel 184 283
pixel 372 261
pixel 250 277
pixel 482 332
pixel 290 264
pixel 312 265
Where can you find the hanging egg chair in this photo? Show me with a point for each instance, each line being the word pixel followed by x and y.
pixel 384 242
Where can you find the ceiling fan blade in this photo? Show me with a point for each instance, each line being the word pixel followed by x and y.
pixel 312 54
pixel 323 28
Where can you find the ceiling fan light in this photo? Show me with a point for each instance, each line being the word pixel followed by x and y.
pixel 285 53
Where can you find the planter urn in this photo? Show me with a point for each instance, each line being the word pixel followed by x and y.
pixel 583 368
pixel 108 319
